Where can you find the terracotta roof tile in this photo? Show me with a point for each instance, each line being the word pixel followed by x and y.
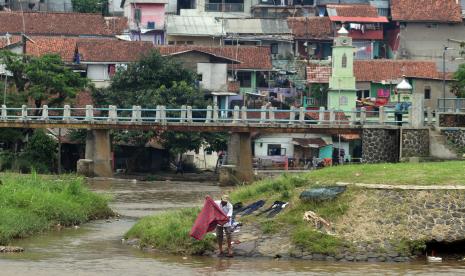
pixel 106 50
pixel 319 28
pixel 45 23
pixel 117 24
pixel 13 40
pixel 426 10
pixel 251 57
pixel 353 10
pixel 63 46
pixel 378 70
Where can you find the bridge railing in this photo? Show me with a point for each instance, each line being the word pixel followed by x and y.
pixel 212 114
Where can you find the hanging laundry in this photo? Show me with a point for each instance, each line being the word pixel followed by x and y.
pixel 355 26
pixel 209 217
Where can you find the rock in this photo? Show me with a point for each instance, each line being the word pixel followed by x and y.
pixel 381 259
pixel 11 249
pixel 245 248
pixel 330 259
pixel 319 257
pixel 349 258
pixel 307 257
pixel 132 242
pixel 372 260
pixel 339 256
pixel 400 259
pixel 361 258
pixel 393 254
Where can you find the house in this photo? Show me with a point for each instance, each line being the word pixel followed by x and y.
pixel 37 5
pixel 55 24
pixel 193 30
pixel 313 36
pixel 146 19
pixel 377 79
pixel 365 28
pixel 97 59
pixel 283 8
pixel 422 28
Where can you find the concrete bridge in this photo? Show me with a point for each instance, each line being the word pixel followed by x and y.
pixel 240 122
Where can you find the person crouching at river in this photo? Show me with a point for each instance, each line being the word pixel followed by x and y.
pixel 227 208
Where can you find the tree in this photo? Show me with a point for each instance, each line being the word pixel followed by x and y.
pixel 40 152
pixel 458 87
pixel 44 80
pixel 90 6
pixel 156 80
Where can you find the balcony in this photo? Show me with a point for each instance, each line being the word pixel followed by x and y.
pixel 226 7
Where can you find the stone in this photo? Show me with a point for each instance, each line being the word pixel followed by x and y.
pixel 381 259
pixel 349 258
pixel 330 259
pixel 319 257
pixel 245 248
pixel 361 258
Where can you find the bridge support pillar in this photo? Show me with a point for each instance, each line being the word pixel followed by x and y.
pixel 98 149
pixel 239 160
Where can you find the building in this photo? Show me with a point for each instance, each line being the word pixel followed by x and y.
pixel 146 19
pixel 37 5
pixel 194 30
pixel 421 30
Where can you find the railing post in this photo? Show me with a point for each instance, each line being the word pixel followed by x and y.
pixel 429 116
pixel 301 115
pixel 183 113
pixel 271 114
pixel 24 112
pixel 332 116
pixel 236 114
pixel 215 113
pixel 157 114
pixel 363 115
pixel 163 118
pixel 189 114
pixel 321 115
pixel 262 114
pixel 292 115
pixel 353 116
pixel 112 113
pixel 136 113
pixel 45 112
pixel 89 113
pixel 4 112
pixel 244 114
pixel 66 113
pixel 382 117
pixel 436 116
pixel 209 114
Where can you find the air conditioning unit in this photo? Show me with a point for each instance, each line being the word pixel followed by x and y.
pixel 151 25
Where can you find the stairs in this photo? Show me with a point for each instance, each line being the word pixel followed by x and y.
pixel 438 146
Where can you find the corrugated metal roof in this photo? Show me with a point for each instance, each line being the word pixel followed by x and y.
pixel 256 26
pixel 193 25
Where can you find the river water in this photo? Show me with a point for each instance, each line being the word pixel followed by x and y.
pixel 96 249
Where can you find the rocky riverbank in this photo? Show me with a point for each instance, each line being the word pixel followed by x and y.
pixel 11 249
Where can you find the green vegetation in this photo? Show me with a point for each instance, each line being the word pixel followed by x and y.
pixel 160 230
pixel 169 231
pixel 31 204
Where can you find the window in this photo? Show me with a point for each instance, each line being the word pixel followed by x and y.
pixel 427 92
pixel 111 70
pixel 245 79
pixel 362 94
pixel 180 42
pixel 199 77
pixel 170 42
pixel 274 48
pixel 344 61
pixel 276 150
pixel 189 42
pixel 343 100
pixel 137 15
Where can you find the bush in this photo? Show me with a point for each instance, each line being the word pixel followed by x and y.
pixel 30 204
pixel 40 152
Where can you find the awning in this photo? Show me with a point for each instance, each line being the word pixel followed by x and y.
pixel 359 19
pixel 224 94
pixel 309 142
pixel 350 137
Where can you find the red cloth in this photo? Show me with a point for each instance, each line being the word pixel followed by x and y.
pixel 207 220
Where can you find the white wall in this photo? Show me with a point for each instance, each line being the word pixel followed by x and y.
pixel 214 76
pixel 114 6
pixel 97 72
pixel 202 160
pixel 285 140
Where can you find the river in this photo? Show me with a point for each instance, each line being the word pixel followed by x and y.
pixel 96 249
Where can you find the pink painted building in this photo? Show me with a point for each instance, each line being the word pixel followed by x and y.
pixel 146 19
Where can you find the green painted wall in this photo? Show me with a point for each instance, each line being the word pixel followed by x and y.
pixel 326 152
pixel 333 100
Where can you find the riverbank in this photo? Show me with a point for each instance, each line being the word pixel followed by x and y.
pixel 30 204
pixel 365 224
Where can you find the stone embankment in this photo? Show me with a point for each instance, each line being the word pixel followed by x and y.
pixel 11 249
pixel 382 224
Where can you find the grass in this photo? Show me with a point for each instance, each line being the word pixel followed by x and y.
pixel 32 203
pixel 169 231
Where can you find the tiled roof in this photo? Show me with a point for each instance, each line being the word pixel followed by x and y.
pixel 319 28
pixel 45 23
pixel 251 57
pixel 90 49
pixel 117 24
pixel 106 50
pixel 378 70
pixel 354 13
pixel 13 40
pixel 353 10
pixel 426 10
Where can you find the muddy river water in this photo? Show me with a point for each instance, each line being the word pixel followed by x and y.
pixel 96 249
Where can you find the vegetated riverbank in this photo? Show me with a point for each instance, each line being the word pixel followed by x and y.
pixel 30 204
pixel 366 224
